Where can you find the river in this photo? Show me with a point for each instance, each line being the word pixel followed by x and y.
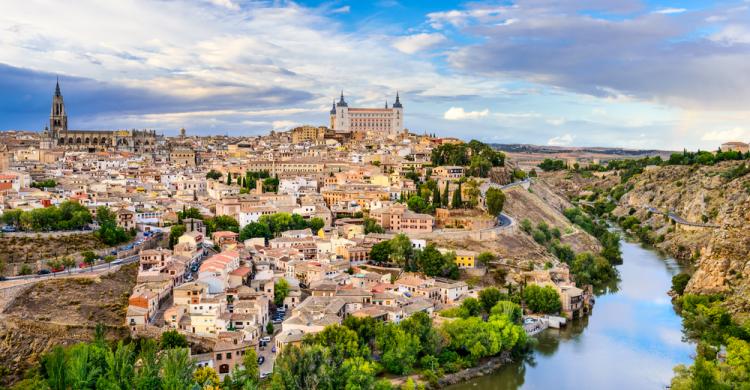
pixel 632 340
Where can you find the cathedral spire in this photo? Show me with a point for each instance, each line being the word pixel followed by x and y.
pixel 57 87
pixel 386 103
pixel 341 102
pixel 333 107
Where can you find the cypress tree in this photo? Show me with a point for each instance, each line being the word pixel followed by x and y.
pixel 445 195
pixel 436 197
pixel 229 178
pixel 457 202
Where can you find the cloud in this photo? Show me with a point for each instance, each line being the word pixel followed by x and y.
pixel 342 10
pixel 411 44
pixel 661 56
pixel 556 121
pixel 458 113
pixel 668 11
pixel 284 125
pixel 563 140
pixel 228 4
pixel 734 134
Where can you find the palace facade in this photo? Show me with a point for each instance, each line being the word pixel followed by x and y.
pixel 57 134
pixel 381 120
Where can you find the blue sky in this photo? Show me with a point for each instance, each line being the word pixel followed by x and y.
pixel 630 73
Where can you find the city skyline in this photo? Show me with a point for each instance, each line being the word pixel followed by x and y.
pixel 651 74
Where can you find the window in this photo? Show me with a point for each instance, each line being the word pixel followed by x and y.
pixel 229 355
pixel 218 356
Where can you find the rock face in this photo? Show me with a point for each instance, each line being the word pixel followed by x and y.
pixel 703 195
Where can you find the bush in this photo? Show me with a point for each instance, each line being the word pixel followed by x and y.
pixel 542 299
pixel 679 282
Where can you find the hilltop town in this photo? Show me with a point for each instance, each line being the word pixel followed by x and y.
pixel 258 243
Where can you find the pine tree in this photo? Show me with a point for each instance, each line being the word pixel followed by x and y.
pixel 457 202
pixel 445 195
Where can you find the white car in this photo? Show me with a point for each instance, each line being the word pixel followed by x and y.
pixel 266 339
pixel 264 375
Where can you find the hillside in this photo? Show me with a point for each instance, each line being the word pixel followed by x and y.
pixel 708 226
pixel 61 312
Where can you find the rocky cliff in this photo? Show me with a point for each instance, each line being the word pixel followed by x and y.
pixel 699 214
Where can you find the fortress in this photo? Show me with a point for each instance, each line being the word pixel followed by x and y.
pixel 383 120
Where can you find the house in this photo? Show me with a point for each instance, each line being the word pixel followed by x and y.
pixel 126 219
pixel 398 218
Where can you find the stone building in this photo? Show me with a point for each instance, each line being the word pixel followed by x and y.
pixel 362 120
pixel 57 134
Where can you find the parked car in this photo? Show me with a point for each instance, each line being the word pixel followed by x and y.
pixel 266 339
pixel 43 272
pixel 261 359
pixel 273 350
pixel 264 375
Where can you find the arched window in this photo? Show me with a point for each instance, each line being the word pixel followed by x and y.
pixel 224 369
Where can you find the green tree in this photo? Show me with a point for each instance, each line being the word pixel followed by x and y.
pixel 444 195
pixel 119 368
pixel 255 230
pixel 495 199
pixel 436 199
pixel 280 292
pixel 213 175
pixel 485 258
pixel 89 257
pixel 206 377
pixel 269 327
pixel 472 306
pixel 25 270
pixel 400 249
pixel 457 203
pixel 229 178
pixel 489 297
pixel 542 299
pixel 177 369
pixel 398 349
pixel 679 282
pixel 222 223
pixel 380 252
pixel 175 233
pixel 508 309
pixel 173 339
pixel 417 204
pixel 147 371
pixel 371 226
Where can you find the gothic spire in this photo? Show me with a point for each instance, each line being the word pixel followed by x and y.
pixel 386 103
pixel 57 87
pixel 333 107
pixel 397 104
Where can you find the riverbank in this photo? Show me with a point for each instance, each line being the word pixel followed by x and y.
pixel 632 340
pixel 488 367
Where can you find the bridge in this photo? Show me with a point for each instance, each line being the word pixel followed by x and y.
pixel 679 220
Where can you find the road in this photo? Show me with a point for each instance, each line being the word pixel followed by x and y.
pixel 98 267
pixel 678 219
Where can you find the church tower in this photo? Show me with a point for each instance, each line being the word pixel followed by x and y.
pixel 58 119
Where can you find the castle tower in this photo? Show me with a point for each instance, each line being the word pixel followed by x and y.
pixel 333 115
pixel 58 119
pixel 343 122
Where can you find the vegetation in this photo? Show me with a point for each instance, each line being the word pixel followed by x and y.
pixel 342 356
pixel 213 175
pixel 371 226
pixel 280 292
pixel 706 320
pixel 270 226
pixel 221 223
pixel 429 260
pixel 477 156
pixel 49 183
pixel 139 365
pixel 610 240
pixel 67 216
pixel 109 233
pixel 495 199
pixel 542 299
pixel 552 165
pixel 679 282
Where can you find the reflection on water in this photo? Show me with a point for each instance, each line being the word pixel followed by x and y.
pixel 632 340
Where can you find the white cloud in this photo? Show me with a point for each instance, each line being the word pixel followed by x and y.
pixel 228 4
pixel 341 10
pixel 668 11
pixel 556 121
pixel 411 44
pixel 458 113
pixel 284 125
pixel 735 134
pixel 562 140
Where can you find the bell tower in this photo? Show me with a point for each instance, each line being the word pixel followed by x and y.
pixel 58 119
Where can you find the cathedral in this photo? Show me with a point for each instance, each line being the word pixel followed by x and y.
pixel 57 135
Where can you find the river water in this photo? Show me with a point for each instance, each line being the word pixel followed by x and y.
pixel 632 340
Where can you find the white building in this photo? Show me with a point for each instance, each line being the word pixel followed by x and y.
pixel 382 120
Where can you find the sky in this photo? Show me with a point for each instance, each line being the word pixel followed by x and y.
pixel 622 73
